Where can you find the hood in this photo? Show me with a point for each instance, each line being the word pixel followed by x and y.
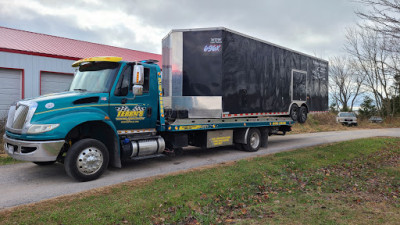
pixel 68 99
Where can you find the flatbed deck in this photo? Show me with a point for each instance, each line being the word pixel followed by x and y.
pixel 215 124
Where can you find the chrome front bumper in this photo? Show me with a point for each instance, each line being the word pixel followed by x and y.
pixel 34 151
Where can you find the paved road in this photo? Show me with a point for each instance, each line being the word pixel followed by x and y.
pixel 27 183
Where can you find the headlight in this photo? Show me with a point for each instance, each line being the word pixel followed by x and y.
pixel 41 128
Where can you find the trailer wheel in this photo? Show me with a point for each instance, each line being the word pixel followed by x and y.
pixel 253 140
pixel 44 163
pixel 302 114
pixel 86 160
pixel 294 112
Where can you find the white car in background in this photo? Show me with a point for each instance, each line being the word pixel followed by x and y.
pixel 347 118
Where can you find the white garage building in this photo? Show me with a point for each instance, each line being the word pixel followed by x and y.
pixel 33 64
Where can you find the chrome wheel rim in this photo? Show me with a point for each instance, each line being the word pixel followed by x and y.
pixel 89 161
pixel 254 140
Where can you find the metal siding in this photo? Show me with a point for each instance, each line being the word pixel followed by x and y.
pixel 53 82
pixel 10 90
pixel 32 65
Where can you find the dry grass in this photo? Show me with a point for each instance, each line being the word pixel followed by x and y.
pixel 327 122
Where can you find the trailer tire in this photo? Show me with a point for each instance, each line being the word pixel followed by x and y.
pixel 253 140
pixel 294 112
pixel 302 117
pixel 44 163
pixel 86 160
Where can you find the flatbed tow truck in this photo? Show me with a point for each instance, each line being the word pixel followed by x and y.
pixel 117 110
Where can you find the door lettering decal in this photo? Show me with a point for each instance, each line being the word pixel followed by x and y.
pixel 130 115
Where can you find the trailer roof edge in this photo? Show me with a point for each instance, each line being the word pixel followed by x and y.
pixel 244 35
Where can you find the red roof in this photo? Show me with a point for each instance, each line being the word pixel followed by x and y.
pixel 25 42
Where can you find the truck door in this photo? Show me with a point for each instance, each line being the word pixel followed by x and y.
pixel 129 112
pixel 299 85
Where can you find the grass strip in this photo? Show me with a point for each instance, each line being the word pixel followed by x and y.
pixel 349 182
pixel 5 160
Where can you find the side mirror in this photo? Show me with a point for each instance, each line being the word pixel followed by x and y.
pixel 137 90
pixel 138 75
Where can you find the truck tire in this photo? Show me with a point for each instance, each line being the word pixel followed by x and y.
pixel 294 112
pixel 253 140
pixel 86 160
pixel 302 117
pixel 44 163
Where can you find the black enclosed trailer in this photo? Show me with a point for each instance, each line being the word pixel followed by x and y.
pixel 241 75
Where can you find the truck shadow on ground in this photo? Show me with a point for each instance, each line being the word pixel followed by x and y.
pixel 188 154
pixel 192 155
pixel 38 174
pixel 190 158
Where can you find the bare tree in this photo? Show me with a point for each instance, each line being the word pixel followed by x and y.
pixel 373 63
pixel 384 18
pixel 345 84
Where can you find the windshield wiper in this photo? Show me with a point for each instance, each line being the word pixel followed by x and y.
pixel 79 89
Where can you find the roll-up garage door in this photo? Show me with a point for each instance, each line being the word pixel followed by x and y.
pixel 54 82
pixel 10 89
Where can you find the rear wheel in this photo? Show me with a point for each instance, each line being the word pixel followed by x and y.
pixel 86 160
pixel 294 112
pixel 253 140
pixel 302 117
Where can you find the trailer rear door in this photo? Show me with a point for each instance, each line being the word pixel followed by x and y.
pixel 299 85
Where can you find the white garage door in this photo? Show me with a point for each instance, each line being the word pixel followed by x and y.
pixel 54 82
pixel 10 89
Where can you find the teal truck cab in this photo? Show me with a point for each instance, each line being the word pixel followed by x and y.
pixel 115 110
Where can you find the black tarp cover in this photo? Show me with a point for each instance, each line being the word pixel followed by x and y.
pixel 251 76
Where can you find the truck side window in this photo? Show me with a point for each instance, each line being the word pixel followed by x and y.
pixel 146 80
pixel 124 83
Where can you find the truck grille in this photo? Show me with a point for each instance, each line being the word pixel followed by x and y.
pixel 20 116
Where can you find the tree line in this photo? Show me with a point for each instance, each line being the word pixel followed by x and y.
pixel 371 67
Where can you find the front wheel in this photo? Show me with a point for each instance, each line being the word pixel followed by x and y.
pixel 86 160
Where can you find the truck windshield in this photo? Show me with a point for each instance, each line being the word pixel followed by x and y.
pixel 95 77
